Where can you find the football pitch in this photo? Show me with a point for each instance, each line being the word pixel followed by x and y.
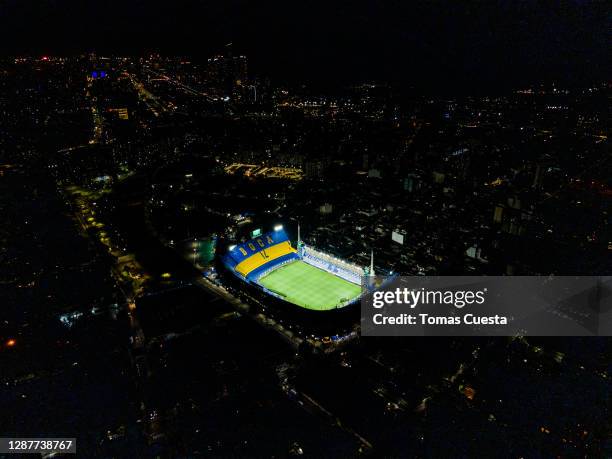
pixel 309 287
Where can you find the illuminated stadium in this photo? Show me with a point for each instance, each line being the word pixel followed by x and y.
pixel 304 276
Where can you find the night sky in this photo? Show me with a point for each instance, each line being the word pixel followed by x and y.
pixel 435 43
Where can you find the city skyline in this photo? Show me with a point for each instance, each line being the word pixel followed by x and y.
pixel 427 45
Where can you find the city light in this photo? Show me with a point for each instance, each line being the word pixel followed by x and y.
pixel 116 167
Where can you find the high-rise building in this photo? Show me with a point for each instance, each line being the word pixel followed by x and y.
pixel 228 72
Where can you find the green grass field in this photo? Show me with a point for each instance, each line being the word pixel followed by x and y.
pixel 309 287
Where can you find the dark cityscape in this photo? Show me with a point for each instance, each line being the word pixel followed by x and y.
pixel 196 197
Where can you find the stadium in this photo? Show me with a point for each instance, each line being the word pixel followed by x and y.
pixel 302 276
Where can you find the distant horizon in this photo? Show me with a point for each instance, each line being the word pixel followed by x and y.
pixel 433 44
pixel 412 89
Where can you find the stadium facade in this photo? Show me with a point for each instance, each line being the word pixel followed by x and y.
pixel 301 276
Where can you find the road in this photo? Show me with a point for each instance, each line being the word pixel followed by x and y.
pixel 181 85
pixel 290 337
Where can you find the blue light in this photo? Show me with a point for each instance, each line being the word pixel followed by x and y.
pixel 103 74
pixel 94 74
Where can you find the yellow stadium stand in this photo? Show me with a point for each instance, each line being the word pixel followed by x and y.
pixel 264 256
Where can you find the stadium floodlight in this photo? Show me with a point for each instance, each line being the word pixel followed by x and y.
pixel 232 247
pixel 278 227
